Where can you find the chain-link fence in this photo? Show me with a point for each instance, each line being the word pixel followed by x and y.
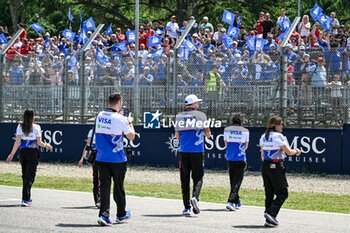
pixel 307 87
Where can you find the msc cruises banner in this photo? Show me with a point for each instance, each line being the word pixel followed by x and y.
pixel 322 148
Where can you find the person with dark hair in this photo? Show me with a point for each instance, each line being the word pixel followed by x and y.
pixel 190 130
pixel 236 139
pixel 273 147
pixel 111 159
pixel 28 139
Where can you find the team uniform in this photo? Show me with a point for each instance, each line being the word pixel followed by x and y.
pixel 111 159
pixel 96 189
pixel 29 158
pixel 236 137
pixel 191 154
pixel 273 172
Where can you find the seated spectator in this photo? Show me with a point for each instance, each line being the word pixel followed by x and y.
pixel 206 25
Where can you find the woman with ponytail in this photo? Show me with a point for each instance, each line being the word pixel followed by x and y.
pixel 274 147
pixel 28 139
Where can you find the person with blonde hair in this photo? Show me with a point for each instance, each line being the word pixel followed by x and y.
pixel 274 147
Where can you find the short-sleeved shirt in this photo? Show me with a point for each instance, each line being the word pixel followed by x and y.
pixel 29 141
pixel 90 135
pixel 272 146
pixel 236 137
pixel 190 125
pixel 109 131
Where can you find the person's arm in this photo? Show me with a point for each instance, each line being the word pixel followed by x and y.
pixel 83 154
pixel 131 135
pixel 207 132
pixel 262 154
pixel 42 144
pixel 14 149
pixel 177 135
pixel 286 149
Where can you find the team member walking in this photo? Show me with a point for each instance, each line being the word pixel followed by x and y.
pixel 236 140
pixel 96 188
pixel 111 160
pixel 274 146
pixel 28 138
pixel 190 132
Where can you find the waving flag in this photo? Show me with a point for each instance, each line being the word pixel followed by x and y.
pixel 121 46
pixel 154 41
pixel 131 36
pixel 89 24
pixel 3 39
pixel 325 21
pixel 83 37
pixel 227 41
pixel 109 30
pixel 281 37
pixel 250 42
pixel 228 17
pixel 239 22
pixel 70 16
pixel 37 27
pixel 284 24
pixel 160 32
pixel 189 45
pixel 68 34
pixel 157 54
pixel 316 12
pixel 233 32
pixel 101 57
pixel 259 44
pixel 73 61
pixel 47 44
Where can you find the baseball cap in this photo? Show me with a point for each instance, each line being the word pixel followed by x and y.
pixel 205 18
pixel 240 63
pixel 190 99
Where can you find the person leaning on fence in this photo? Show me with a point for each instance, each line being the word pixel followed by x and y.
pixel 273 146
pixel 111 159
pixel 91 160
pixel 28 139
pixel 236 139
pixel 214 86
pixel 191 140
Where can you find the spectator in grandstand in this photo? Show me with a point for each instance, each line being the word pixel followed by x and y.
pixel 16 73
pixel 160 69
pixel 334 24
pixel 318 83
pixel 206 25
pixel 149 29
pixel 198 80
pixel 269 42
pixel 258 25
pixel 315 34
pixel 96 189
pixel 120 36
pixel 291 56
pixel 274 146
pixel 336 94
pixel 28 139
pixel 280 21
pixel 267 25
pixel 111 159
pixel 127 79
pixel 218 32
pixel 34 73
pixel 306 79
pixel 191 151
pixel 240 75
pixel 145 77
pixel 304 28
pixel 236 139
pixel 172 27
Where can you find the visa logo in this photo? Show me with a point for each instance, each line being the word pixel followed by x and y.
pixel 104 120
pixel 236 132
pixel 267 140
pixel 189 118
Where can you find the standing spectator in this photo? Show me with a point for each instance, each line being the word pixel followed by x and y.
pixel 143 37
pixel 258 25
pixel 28 139
pixel 315 34
pixel 336 94
pixel 267 25
pixel 24 33
pixel 111 159
pixel 273 148
pixel 17 73
pixel 172 27
pixel 304 28
pixel 206 25
pixel 280 20
pixel 236 139
pixel 191 140
pixel 318 83
pixel 120 35
pixel 334 24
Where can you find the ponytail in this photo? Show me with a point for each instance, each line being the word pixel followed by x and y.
pixel 28 120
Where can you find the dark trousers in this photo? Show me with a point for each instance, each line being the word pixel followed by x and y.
pixel 275 183
pixel 191 162
pixel 96 184
pixel 29 159
pixel 115 171
pixel 236 173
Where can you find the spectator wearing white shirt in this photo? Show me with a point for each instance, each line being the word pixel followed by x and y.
pixel 304 28
pixel 336 94
pixel 172 27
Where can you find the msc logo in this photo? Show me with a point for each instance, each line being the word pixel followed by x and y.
pixel 151 120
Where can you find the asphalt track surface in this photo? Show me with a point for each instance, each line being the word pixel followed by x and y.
pixel 65 211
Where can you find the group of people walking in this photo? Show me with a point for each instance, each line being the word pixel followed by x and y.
pixel 111 160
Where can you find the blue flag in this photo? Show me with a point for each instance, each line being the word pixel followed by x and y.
pixel 68 34
pixel 3 39
pixel 227 41
pixel 131 36
pixel 239 22
pixel 325 21
pixel 154 40
pixel 121 46
pixel 47 44
pixel 160 32
pixel 233 32
pixel 228 17
pixel 70 16
pixel 259 44
pixel 101 57
pixel 189 45
pixel 89 24
pixel 281 37
pixel 158 53
pixel 73 61
pixel 316 11
pixel 37 27
pixel 83 36
pixel 284 24
pixel 109 30
pixel 250 42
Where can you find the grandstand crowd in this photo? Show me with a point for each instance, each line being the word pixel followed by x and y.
pixel 312 54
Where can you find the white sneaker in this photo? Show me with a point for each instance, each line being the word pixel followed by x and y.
pixel 186 212
pixel 230 206
pixel 194 203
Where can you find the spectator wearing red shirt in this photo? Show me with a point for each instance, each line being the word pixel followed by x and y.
pixel 149 29
pixel 24 33
pixel 315 34
pixel 142 37
pixel 258 24
pixel 120 35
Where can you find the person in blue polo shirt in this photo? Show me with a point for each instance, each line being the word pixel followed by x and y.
pixel 28 139
pixel 111 159
pixel 236 139
pixel 273 147
pixel 190 131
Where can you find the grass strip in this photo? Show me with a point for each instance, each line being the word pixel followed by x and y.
pixel 296 200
